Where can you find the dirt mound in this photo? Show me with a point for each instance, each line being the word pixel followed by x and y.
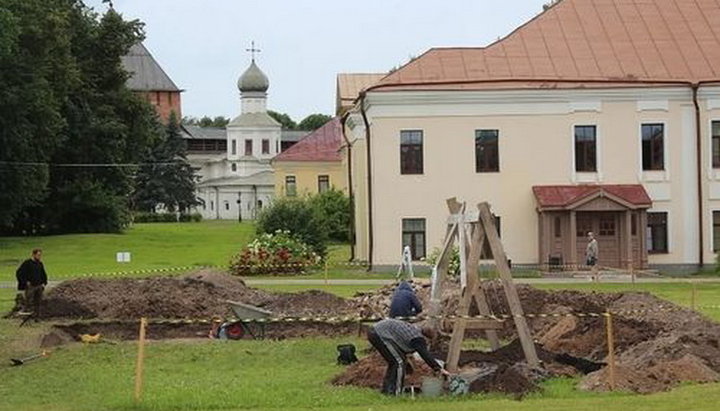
pixel 654 339
pixel 198 295
pixel 309 303
pixel 369 372
pixel 660 377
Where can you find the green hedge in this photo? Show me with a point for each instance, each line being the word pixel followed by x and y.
pixel 166 218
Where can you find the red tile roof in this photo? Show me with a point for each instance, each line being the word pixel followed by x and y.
pixel 564 196
pixel 322 144
pixel 584 43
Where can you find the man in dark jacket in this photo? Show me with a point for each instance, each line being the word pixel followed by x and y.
pixel 31 278
pixel 404 302
pixel 394 340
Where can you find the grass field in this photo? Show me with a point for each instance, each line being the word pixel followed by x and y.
pixel 292 374
pixel 152 246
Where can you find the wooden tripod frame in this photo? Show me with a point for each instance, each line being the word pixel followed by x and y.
pixel 471 230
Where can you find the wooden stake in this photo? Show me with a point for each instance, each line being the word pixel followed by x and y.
pixel 140 360
pixel 326 272
pixel 611 350
pixel 693 296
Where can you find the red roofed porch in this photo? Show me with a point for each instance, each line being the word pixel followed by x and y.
pixel 616 214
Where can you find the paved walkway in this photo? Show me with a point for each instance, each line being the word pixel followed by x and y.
pixel 612 279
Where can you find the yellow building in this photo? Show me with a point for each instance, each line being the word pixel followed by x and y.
pixel 313 165
pixel 583 119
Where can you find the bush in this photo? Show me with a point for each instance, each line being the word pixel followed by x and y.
pixel 166 218
pixel 190 218
pixel 298 217
pixel 334 208
pixel 277 253
pixel 454 267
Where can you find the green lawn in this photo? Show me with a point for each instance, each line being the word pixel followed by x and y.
pixel 159 245
pixel 291 374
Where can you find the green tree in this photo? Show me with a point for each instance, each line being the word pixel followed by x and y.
pixel 37 70
pixel 334 207
pixel 168 180
pixel 298 217
pixel 220 121
pixel 314 122
pixel 284 120
pixel 205 121
pixel 106 124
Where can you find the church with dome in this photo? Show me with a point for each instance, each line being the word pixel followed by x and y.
pixel 238 182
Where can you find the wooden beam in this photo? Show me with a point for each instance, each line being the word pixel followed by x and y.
pixel 511 294
pixel 479 294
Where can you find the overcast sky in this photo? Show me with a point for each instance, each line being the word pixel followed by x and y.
pixel 305 43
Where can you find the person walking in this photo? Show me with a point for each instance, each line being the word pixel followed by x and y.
pixel 404 302
pixel 32 279
pixel 394 340
pixel 591 255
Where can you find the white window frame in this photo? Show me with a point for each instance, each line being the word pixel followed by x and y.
pixel 654 175
pixel 713 173
pixel 582 176
pixel 669 230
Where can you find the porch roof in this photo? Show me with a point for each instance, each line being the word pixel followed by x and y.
pixel 567 197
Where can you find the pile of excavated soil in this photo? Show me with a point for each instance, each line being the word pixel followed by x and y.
pixel 510 376
pixel 369 372
pixel 658 344
pixel 199 295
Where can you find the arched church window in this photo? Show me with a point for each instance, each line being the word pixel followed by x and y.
pixel 259 206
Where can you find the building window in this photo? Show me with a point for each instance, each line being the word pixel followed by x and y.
pixel 233 144
pixel 266 146
pixel 411 152
pixel 633 224
pixel 323 184
pixel 558 227
pixel 716 231
pixel 653 147
pixel 607 226
pixel 290 186
pixel 248 147
pixel 227 205
pixel 233 166
pixel 259 204
pixel 487 155
pixel 413 235
pixel 716 144
pixel 586 149
pixel 583 226
pixel 487 250
pixel 657 233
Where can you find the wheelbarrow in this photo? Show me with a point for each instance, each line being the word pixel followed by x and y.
pixel 245 325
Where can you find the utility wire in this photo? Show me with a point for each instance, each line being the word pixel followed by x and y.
pixel 89 165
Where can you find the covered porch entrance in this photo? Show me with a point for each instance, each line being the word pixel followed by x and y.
pixel 614 213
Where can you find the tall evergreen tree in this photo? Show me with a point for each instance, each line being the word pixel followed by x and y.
pixel 63 100
pixel 168 180
pixel 36 73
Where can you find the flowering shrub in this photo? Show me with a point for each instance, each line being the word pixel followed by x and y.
pixel 276 253
pixel 453 267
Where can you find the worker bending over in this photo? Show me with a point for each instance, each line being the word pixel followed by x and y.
pixel 404 302
pixel 394 340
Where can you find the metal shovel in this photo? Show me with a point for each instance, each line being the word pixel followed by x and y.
pixel 21 361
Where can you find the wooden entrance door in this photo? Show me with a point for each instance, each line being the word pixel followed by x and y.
pixel 606 226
